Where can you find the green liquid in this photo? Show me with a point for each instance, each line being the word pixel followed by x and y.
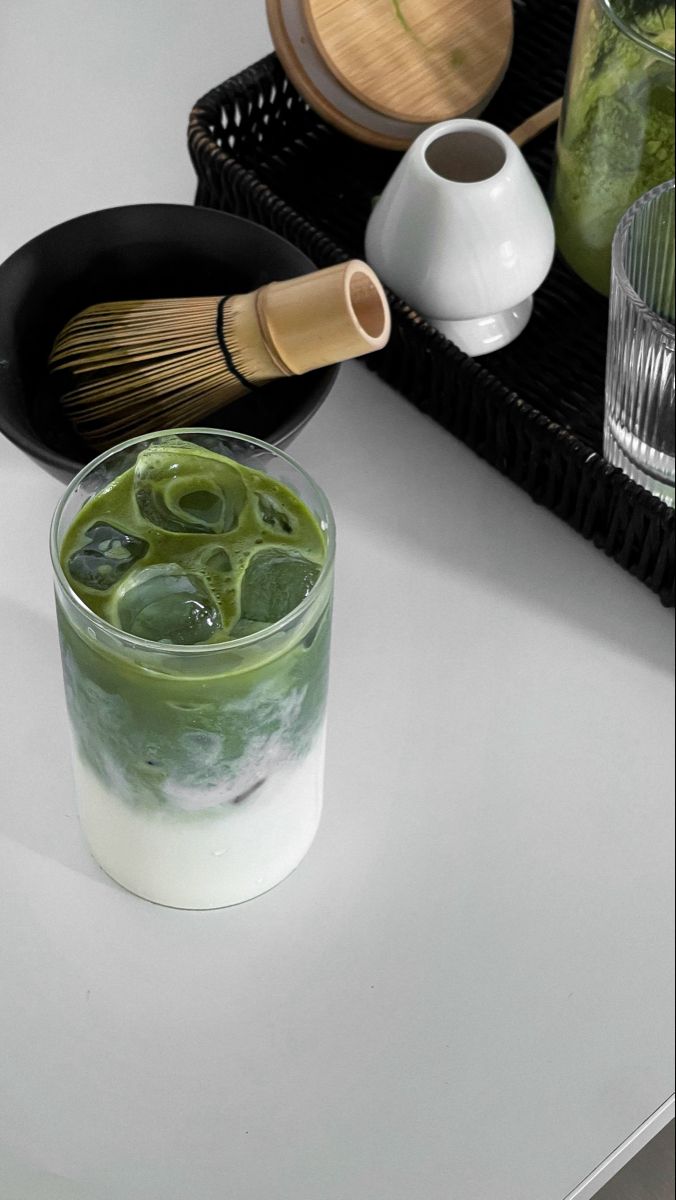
pixel 192 732
pixel 616 139
pixel 207 518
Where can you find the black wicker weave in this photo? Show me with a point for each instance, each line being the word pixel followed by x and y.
pixel 535 409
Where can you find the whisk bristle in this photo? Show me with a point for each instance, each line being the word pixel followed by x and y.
pixel 135 366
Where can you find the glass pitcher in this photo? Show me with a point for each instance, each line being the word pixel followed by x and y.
pixel 616 134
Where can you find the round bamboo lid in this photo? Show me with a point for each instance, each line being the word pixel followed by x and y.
pixel 323 92
pixel 296 27
pixel 415 60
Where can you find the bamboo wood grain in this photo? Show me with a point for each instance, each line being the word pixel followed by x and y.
pixel 416 60
pixel 306 86
pixel 326 95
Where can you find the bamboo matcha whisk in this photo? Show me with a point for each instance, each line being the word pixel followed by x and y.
pixel 140 365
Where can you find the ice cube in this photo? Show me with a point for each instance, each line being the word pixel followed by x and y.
pixel 213 560
pixel 273 514
pixel 105 557
pixel 186 489
pixel 165 603
pixel 274 583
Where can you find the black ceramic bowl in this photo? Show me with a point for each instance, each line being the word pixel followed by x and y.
pixel 135 252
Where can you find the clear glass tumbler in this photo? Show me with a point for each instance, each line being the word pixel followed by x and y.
pixel 198 768
pixel 639 415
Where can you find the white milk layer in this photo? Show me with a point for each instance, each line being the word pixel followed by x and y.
pixel 218 858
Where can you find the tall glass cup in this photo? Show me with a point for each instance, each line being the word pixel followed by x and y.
pixel 616 134
pixel 198 769
pixel 639 413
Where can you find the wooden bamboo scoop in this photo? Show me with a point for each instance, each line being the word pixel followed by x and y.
pixel 537 123
pixel 136 366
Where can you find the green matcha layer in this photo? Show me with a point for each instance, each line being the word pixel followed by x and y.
pixel 617 135
pixel 189 548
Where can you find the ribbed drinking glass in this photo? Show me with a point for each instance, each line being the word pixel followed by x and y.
pixel 639 415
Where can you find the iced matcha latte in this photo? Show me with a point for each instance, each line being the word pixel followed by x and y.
pixel 194 574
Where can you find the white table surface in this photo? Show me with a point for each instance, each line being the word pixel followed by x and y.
pixel 465 991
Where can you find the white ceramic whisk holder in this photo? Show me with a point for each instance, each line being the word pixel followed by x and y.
pixel 463 233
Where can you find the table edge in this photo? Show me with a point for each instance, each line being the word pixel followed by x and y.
pixel 625 1151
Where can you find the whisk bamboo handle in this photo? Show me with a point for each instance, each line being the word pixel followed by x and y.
pixel 312 321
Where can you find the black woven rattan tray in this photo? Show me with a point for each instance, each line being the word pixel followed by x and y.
pixel 535 409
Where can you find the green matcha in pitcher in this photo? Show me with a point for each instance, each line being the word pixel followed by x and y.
pixel 194 578
pixel 616 134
